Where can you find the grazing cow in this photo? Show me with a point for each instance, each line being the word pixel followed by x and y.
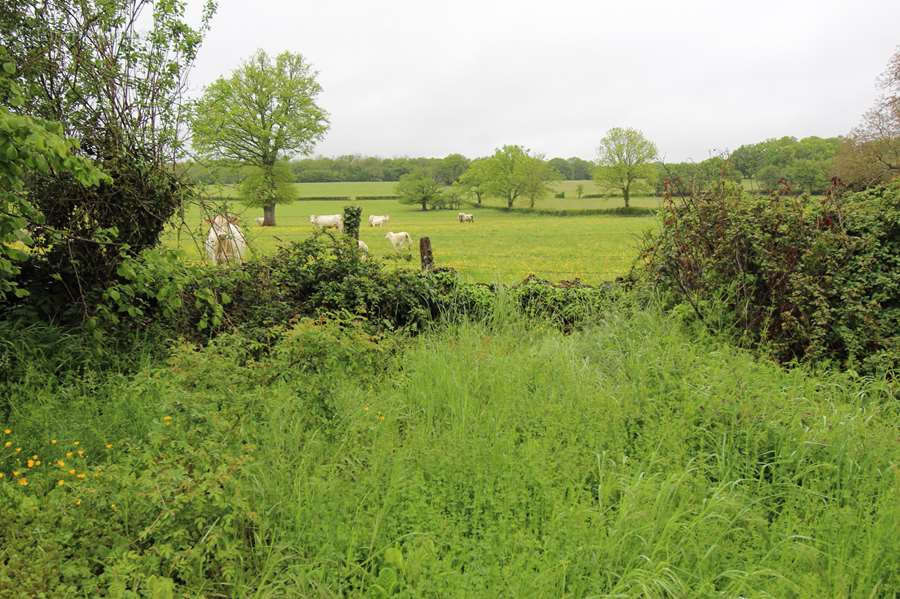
pixel 225 241
pixel 377 220
pixel 399 240
pixel 465 217
pixel 325 221
pixel 260 220
pixel 361 245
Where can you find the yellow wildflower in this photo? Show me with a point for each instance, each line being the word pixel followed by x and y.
pixel 81 475
pixel 18 450
pixel 37 462
pixel 60 463
pixel 30 463
pixel 52 441
pixel 78 502
pixel 380 418
pixel 34 457
pixel 365 408
pixel 60 483
pixel 72 471
pixel 80 453
pixel 7 431
pixel 167 420
pixel 2 475
pixel 23 482
pixel 76 443
pixel 109 445
pixel 7 444
pixel 15 473
pixel 69 454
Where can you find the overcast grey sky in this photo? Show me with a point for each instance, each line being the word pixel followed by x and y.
pixel 425 78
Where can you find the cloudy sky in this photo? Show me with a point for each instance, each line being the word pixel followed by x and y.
pixel 427 78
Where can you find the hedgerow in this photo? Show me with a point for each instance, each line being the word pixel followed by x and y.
pixel 323 275
pixel 805 278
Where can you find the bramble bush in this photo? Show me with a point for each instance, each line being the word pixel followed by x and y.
pixel 805 278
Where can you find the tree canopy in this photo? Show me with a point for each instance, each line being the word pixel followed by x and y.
pixel 624 157
pixel 512 172
pixel 871 153
pixel 264 112
pixel 418 187
pixel 109 76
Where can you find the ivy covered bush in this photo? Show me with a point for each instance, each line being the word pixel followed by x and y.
pixel 805 278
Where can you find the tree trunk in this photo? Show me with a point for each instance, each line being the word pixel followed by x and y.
pixel 509 201
pixel 425 254
pixel 625 191
pixel 269 215
pixel 478 195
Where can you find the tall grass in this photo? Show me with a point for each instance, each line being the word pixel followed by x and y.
pixel 499 458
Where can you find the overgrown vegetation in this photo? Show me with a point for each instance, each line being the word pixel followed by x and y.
pixel 491 457
pixel 804 278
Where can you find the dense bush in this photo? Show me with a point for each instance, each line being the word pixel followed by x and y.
pixel 808 279
pixel 323 275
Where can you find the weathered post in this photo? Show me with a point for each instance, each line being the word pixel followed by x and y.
pixel 426 255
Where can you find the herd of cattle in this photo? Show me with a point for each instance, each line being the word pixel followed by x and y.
pixel 226 243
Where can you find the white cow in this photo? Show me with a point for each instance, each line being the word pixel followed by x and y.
pixel 465 217
pixel 260 220
pixel 325 221
pixel 376 220
pixel 225 242
pixel 399 240
pixel 362 246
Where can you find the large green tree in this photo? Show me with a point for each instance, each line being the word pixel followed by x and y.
pixel 264 112
pixel 474 180
pixel 625 157
pixel 513 172
pixel 418 187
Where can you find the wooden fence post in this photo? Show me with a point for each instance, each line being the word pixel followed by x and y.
pixel 425 253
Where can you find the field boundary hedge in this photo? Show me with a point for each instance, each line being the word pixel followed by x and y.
pixel 618 211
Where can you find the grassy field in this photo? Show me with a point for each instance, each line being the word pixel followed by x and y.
pixel 482 459
pixel 501 246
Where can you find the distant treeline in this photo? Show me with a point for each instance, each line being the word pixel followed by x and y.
pixel 372 168
pixel 804 164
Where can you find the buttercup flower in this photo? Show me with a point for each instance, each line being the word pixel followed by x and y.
pixel 7 444
pixel 72 471
pixel 23 482
pixel 30 463
pixel 60 483
pixel 52 441
pixel 69 454
pixel 7 431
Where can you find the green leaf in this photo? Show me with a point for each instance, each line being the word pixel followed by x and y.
pixel 9 67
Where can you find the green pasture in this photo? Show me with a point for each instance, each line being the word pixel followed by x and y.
pixel 501 246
